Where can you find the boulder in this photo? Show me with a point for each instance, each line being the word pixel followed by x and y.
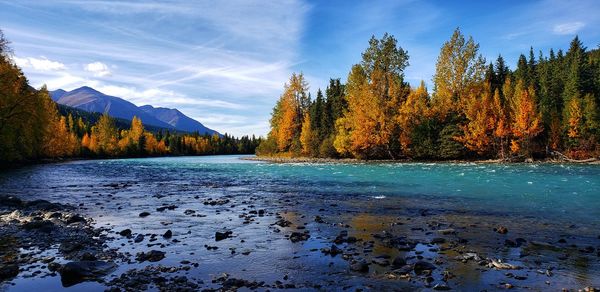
pixel 151 256
pixel 76 272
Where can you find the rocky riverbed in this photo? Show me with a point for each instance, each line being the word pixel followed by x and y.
pixel 341 245
pixel 176 232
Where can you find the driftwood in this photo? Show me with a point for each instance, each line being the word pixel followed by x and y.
pixel 565 158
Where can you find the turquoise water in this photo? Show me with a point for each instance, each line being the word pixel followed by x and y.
pixel 541 202
pixel 552 191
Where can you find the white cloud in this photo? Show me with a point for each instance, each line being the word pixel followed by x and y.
pixel 39 64
pixel 99 69
pixel 568 28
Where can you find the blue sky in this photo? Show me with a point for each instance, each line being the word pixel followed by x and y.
pixel 224 63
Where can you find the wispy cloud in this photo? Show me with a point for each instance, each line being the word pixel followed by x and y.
pixel 39 64
pixel 199 56
pixel 99 69
pixel 568 28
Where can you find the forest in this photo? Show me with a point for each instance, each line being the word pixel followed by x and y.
pixel 33 128
pixel 546 107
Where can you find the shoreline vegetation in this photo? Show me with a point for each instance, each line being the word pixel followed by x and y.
pixel 282 159
pixel 545 109
pixel 34 129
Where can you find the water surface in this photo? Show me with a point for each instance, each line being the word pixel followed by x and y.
pixel 564 196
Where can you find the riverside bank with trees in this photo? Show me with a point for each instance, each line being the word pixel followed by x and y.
pixel 547 106
pixel 32 128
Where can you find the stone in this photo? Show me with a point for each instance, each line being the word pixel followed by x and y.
pixel 76 272
pixel 144 214
pixel 139 238
pixel 380 261
pixel 8 271
pixel 438 240
pixel 168 234
pixel 501 229
pixel 299 236
pixel 222 235
pixel 441 287
pixel 398 262
pixel 75 219
pixel 359 266
pixel 43 225
pixel 125 232
pixel 151 256
pixel 421 266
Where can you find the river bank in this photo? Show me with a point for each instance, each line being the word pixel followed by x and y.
pixel 218 224
pixel 281 159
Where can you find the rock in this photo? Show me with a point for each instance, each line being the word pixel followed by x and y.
pixel 189 212
pixel 334 250
pixel 88 257
pixel 8 272
pixel 438 240
pixel 44 205
pixel 76 272
pixel 503 266
pixel 125 232
pixel 162 208
pixel 501 229
pixel 139 238
pixel 75 219
pixel 151 256
pixel 144 214
pixel 299 236
pixel 510 243
pixel 359 266
pixel 53 267
pixel 283 223
pixel 168 234
pixel 421 266
pixel 447 231
pixel 222 235
pixel 11 202
pixel 398 262
pixel 441 287
pixel 40 225
pixel 318 219
pixel 381 261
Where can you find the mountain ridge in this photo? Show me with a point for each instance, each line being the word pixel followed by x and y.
pixel 91 100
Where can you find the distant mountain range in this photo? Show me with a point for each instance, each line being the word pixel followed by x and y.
pixel 90 100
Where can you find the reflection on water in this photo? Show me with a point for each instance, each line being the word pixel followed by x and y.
pixel 413 200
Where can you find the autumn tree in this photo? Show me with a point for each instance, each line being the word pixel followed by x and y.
pixel 459 72
pixel 286 120
pixel 374 93
pixel 526 120
pixel 132 140
pixel 481 121
pixel 411 114
pixel 309 137
pixel 104 133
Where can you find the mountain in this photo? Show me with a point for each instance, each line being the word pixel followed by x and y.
pixel 90 100
pixel 177 119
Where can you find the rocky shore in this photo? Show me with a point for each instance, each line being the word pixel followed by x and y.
pixel 350 245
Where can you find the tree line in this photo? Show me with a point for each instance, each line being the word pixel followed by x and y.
pixel 547 105
pixel 33 128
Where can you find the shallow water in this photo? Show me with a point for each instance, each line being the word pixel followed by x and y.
pixel 562 195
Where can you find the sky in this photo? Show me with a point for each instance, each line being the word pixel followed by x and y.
pixel 225 63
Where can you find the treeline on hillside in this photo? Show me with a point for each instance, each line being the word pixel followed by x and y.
pixel 31 128
pixel 548 105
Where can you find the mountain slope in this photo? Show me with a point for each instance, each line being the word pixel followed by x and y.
pixel 90 100
pixel 177 119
